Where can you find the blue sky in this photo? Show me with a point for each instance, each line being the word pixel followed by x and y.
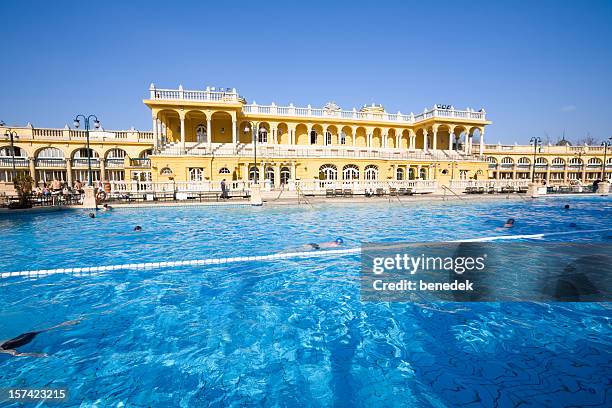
pixel 537 67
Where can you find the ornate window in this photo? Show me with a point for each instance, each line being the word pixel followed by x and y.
pixel 524 161
pixel 371 172
pixel 423 174
pixel 328 138
pixel 145 154
pixel 507 160
pixel 262 136
pixel 224 170
pixel 399 173
pixel 116 154
pixel 328 172
pixel 85 153
pixel 350 172
pixel 342 138
pixel 253 173
pixel 196 174
pixel 166 171
pixel 201 134
pixel 7 152
pixel 541 161
pixel 285 175
pixel 50 153
pixel 313 137
pixel 558 161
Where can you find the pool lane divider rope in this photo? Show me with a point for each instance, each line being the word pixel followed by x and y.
pixel 276 256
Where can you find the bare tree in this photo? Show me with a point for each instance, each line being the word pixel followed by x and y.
pixel 588 140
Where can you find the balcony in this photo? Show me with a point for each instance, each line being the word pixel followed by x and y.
pixel 84 162
pixel 140 162
pixel 19 162
pixel 51 162
pixel 114 162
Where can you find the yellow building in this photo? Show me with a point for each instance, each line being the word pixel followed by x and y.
pixel 201 137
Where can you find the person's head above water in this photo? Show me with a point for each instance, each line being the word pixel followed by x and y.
pixel 138 228
pixel 92 215
pixel 339 241
pixel 567 207
pixel 509 223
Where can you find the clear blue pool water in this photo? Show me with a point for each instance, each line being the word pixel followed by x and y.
pixel 291 332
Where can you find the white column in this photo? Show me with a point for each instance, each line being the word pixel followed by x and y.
pixel 412 138
pixel 293 171
pixel 182 134
pixel 384 140
pixel 466 143
pixel 292 136
pixel 481 152
pixel 354 136
pixel 234 132
pixel 435 140
pixel 277 175
pixel 398 139
pixel 450 140
pixel 425 141
pixel 155 133
pixel 209 132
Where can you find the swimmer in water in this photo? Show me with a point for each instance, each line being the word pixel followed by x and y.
pixel 106 207
pixel 509 223
pixel 138 228
pixel 92 215
pixel 324 245
pixel 10 346
pixel 567 207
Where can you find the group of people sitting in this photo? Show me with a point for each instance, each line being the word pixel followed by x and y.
pixel 57 188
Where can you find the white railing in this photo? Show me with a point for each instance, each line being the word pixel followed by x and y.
pixel 31 133
pixel 462 184
pixel 291 110
pixel 359 187
pixel 209 95
pixel 335 151
pixel 178 186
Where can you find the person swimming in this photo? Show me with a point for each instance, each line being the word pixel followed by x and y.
pixel 10 346
pixel 138 228
pixel 509 223
pixel 567 207
pixel 106 207
pixel 323 245
pixel 92 215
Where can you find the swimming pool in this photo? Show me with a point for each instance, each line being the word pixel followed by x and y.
pixel 289 331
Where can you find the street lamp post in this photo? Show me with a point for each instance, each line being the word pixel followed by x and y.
pixel 537 142
pixel 77 123
pixel 605 144
pixel 12 135
pixel 255 133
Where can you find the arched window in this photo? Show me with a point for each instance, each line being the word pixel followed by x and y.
pixel 371 172
pixel 270 174
pixel 196 174
pixel 342 138
pixel 423 174
pixel 253 172
pixel 146 154
pixel 328 172
pixel 350 172
pixel 557 161
pixel 50 153
pixel 201 134
pixel 328 138
pixel 595 162
pixel 524 161
pixel 166 171
pixel 575 161
pixel 7 152
pixel 116 154
pixel 541 161
pixel 507 161
pixel 285 175
pixel 492 160
pixel 84 153
pixel 313 137
pixel 224 170
pixel 411 174
pixel 399 173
